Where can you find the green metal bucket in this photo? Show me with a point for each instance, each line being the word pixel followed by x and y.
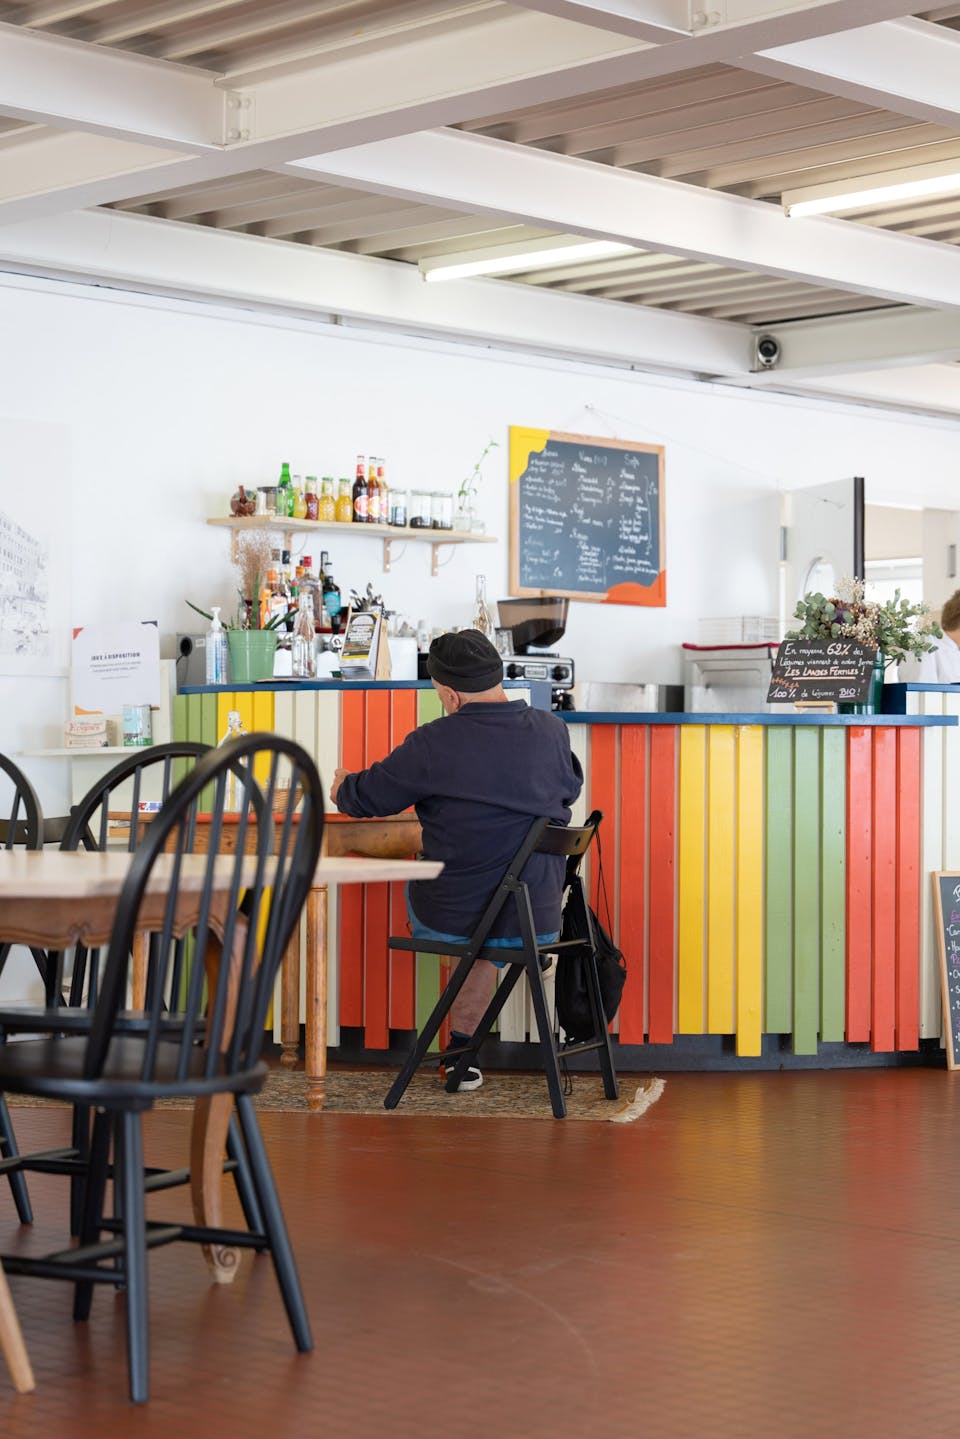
pixel 251 655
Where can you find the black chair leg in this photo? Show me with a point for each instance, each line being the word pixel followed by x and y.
pixel 246 1192
pixel 538 996
pixel 604 1048
pixel 80 1140
pixel 18 1180
pixel 275 1225
pixel 135 1254
pixel 93 1192
pixel 426 1036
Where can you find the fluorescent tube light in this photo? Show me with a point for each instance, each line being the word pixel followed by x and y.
pixel 507 259
pixel 919 182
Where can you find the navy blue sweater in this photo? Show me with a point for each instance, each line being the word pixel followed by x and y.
pixel 477 778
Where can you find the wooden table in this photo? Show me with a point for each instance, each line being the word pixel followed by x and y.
pixel 57 899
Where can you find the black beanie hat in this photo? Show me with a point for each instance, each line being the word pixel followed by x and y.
pixel 466 661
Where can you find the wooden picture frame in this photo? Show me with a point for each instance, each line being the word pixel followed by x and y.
pixel 948 946
pixel 648 588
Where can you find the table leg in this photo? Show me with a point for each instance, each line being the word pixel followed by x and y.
pixel 11 1342
pixel 290 1003
pixel 316 1016
pixel 139 971
pixel 208 1143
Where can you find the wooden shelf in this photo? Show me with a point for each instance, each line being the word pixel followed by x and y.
pixel 85 752
pixel 389 534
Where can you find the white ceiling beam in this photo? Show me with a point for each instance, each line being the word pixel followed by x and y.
pixel 47 80
pixel 484 176
pixel 908 66
pixel 180 259
pixel 661 21
pixel 923 390
pixel 853 344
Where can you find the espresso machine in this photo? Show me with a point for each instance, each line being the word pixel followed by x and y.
pixel 528 629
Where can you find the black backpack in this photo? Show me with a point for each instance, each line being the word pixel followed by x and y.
pixel 570 989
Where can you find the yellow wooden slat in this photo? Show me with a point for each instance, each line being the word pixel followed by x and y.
pixel 721 791
pixel 749 965
pixel 691 879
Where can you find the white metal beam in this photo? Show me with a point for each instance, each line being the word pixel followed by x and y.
pixel 481 175
pixel 492 61
pixel 47 80
pixel 854 344
pixel 661 21
pixel 908 66
pixel 169 258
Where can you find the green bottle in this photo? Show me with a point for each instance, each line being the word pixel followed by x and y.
pixel 284 492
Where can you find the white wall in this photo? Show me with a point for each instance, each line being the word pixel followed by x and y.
pixel 168 407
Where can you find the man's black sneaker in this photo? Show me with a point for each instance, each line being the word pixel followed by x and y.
pixel 472 1078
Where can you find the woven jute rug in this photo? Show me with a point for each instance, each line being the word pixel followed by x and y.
pixel 515 1096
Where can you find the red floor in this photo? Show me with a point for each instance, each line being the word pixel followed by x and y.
pixel 759 1255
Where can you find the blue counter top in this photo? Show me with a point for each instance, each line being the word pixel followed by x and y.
pixel 814 719
pixel 895 696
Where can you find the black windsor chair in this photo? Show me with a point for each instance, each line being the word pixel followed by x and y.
pixel 110 808
pixel 21 827
pixel 542 838
pixel 216 1045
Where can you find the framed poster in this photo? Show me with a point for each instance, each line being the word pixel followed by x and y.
pixel 587 518
pixel 35 529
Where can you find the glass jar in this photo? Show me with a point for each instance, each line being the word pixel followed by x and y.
pixel 310 498
pixel 326 505
pixel 433 500
pixel 343 510
pixel 270 493
pixel 443 506
pixel 398 507
pixel 420 514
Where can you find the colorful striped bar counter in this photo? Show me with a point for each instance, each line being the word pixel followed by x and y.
pixel 765 875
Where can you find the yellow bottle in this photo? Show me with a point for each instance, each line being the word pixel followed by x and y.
pixel 299 504
pixel 326 507
pixel 344 505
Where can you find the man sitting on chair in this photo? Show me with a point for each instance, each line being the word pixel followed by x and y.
pixel 478 778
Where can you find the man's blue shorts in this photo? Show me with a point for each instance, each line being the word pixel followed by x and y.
pixel 505 941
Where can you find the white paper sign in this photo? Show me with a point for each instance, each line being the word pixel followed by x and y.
pixel 116 665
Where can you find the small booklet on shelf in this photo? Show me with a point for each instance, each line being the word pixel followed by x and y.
pixel 365 654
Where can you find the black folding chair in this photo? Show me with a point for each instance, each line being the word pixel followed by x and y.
pixel 120 1072
pixel 542 838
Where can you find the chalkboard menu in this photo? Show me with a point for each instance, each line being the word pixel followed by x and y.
pixel 586 518
pixel 838 670
pixel 946 895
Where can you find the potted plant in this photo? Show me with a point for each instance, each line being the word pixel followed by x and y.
pixel 895 629
pixel 465 516
pixel 251 636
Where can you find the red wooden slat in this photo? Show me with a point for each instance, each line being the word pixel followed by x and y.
pixel 352 751
pixel 884 889
pixel 661 843
pixel 603 796
pixel 403 995
pixel 908 889
pixel 633 858
pixel 859 868
pixel 377 727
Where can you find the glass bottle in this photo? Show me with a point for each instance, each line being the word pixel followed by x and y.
pixel 344 507
pixel 373 494
pixel 332 603
pixel 284 492
pixel 326 506
pixel 360 494
pixel 384 494
pixel 303 654
pixel 311 500
pixel 310 586
pixel 216 653
pixel 299 510
pixel 482 619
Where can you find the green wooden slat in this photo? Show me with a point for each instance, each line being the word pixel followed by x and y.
pixel 833 917
pixel 778 846
pixel 806 890
pixel 428 991
pixel 428 706
pixel 193 717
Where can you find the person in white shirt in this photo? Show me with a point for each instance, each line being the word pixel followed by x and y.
pixel 941 665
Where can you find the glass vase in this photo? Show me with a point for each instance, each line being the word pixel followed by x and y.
pixel 873 704
pixel 482 618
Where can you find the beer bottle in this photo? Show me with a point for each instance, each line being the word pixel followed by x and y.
pixel 360 514
pixel 374 513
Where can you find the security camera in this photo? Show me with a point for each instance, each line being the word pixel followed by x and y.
pixel 768 352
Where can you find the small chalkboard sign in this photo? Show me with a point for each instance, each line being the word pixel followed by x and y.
pixel 586 518
pixel 839 670
pixel 946 904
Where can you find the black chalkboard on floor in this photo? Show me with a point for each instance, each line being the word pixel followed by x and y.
pixel 586 518
pixel 946 907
